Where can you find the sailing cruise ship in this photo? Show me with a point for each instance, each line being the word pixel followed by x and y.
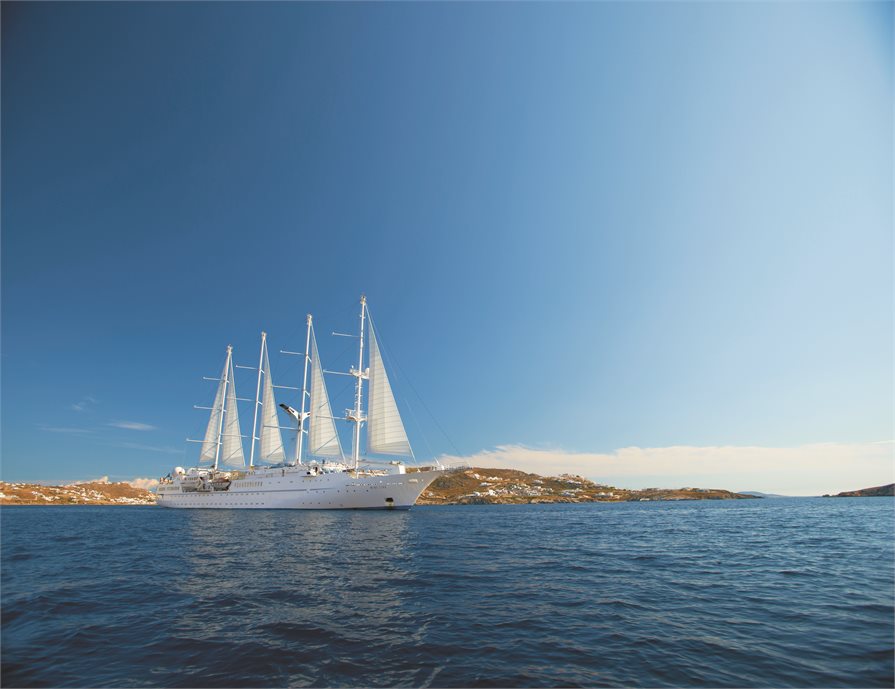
pixel 318 476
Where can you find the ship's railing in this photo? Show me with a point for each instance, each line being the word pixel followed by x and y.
pixel 451 468
pixel 456 466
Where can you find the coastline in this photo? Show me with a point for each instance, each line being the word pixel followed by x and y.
pixel 472 486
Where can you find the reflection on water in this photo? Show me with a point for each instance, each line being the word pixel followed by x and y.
pixel 296 574
pixel 737 594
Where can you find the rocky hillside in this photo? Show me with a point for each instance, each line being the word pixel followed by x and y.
pixel 508 486
pixel 875 492
pixel 76 494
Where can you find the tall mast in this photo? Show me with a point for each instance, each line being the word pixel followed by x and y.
pixel 304 393
pixel 227 375
pixel 257 401
pixel 358 396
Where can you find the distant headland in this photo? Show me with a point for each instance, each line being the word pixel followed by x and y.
pixel 874 492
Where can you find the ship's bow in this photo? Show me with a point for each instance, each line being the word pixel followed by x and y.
pixel 414 485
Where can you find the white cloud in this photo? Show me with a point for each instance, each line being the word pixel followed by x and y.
pixel 101 479
pixel 132 425
pixel 165 449
pixel 62 429
pixel 802 470
pixel 144 483
pixel 149 448
pixel 139 482
pixel 85 404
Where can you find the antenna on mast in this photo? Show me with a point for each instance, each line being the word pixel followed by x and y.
pixel 257 401
pixel 299 443
pixel 356 414
pixel 227 376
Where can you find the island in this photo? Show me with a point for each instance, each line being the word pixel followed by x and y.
pixel 874 492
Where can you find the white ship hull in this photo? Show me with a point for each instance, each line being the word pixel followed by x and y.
pixel 295 489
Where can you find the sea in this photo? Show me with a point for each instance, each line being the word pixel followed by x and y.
pixel 790 592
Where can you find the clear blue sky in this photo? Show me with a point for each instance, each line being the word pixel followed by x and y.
pixel 580 226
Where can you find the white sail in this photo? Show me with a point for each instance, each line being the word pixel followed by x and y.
pixel 323 439
pixel 231 441
pixel 385 431
pixel 210 444
pixel 271 438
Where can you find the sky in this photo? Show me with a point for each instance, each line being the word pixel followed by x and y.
pixel 650 243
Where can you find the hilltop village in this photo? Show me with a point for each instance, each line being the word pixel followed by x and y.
pixel 93 493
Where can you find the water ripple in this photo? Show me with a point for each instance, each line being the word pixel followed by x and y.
pixel 747 594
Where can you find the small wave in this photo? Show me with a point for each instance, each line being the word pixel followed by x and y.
pixel 687 605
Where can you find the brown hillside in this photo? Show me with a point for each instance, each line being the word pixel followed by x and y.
pixel 509 486
pixel 94 493
pixel 875 492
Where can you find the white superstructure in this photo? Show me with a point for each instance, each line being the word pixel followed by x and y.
pixel 318 476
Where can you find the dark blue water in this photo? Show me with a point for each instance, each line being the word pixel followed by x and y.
pixel 759 593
